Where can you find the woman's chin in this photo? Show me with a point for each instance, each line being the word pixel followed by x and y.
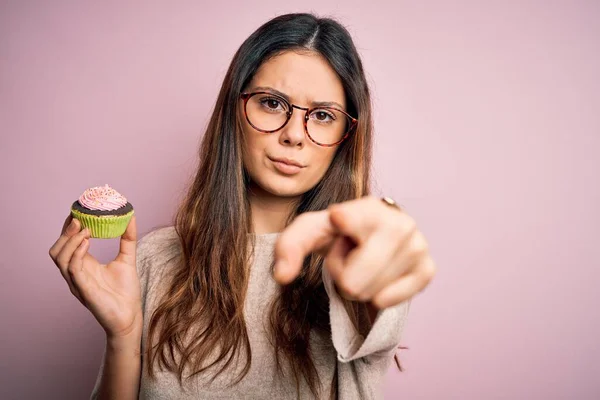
pixel 283 189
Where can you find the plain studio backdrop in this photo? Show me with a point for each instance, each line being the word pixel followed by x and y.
pixel 487 131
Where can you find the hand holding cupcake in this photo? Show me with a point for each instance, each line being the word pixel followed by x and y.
pixel 110 291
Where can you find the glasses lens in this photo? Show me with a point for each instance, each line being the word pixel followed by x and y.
pixel 266 112
pixel 327 125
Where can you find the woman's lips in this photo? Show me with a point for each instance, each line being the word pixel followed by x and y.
pixel 286 169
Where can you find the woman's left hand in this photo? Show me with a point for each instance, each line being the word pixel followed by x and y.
pixel 374 252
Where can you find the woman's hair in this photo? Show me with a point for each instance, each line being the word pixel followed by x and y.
pixel 213 222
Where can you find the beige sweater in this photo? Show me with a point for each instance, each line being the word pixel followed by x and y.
pixel 359 362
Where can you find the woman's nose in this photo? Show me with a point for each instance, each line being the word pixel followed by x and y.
pixel 293 132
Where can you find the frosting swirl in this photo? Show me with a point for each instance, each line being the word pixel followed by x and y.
pixel 102 198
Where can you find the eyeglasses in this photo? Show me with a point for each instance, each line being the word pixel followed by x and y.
pixel 325 126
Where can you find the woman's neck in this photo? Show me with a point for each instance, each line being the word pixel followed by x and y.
pixel 269 212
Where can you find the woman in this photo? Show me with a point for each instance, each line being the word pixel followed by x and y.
pixel 282 277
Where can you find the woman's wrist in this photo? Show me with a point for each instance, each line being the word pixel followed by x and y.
pixel 128 339
pixel 129 343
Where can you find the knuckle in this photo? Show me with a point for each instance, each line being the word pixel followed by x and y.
pixel 427 273
pixel 348 288
pixel 79 250
pixel 409 223
pixel 61 266
pixel 419 245
pixel 398 226
pixel 373 199
pixel 430 271
pixel 72 267
pixel 362 296
pixel 394 228
pixel 373 202
pixel 62 260
pixel 379 302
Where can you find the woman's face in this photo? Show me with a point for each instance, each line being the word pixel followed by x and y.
pixel 306 79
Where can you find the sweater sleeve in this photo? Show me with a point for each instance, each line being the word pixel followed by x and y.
pixel 353 342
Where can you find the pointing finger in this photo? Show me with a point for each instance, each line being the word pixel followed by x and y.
pixel 309 232
pixel 70 227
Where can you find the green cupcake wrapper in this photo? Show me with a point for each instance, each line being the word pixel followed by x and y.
pixel 103 226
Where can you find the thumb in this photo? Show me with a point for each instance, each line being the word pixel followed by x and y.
pixel 128 243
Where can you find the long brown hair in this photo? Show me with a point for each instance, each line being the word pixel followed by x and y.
pixel 213 222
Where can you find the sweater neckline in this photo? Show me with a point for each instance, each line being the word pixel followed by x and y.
pixel 266 238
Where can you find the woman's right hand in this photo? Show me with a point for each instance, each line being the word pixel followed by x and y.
pixel 110 291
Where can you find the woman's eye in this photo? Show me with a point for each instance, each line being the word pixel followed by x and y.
pixel 271 104
pixel 322 116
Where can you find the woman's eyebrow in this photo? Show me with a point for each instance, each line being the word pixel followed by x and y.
pixel 271 90
pixel 326 104
pixel 285 96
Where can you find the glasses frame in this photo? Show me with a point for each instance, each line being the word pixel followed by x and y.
pixel 353 121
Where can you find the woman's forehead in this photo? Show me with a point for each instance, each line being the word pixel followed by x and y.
pixel 304 77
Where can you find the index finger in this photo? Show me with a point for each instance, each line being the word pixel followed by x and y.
pixel 309 232
pixel 66 224
pixel 63 238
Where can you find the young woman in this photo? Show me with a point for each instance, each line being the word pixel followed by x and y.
pixel 282 277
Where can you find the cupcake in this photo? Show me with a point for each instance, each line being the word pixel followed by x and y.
pixel 104 211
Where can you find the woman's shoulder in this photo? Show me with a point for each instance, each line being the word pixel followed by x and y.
pixel 156 250
pixel 156 239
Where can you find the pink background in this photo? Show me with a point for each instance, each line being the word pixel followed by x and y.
pixel 488 132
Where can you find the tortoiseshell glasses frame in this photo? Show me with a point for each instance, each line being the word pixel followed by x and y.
pixel 290 109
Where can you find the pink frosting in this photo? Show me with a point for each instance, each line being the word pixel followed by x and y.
pixel 102 198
